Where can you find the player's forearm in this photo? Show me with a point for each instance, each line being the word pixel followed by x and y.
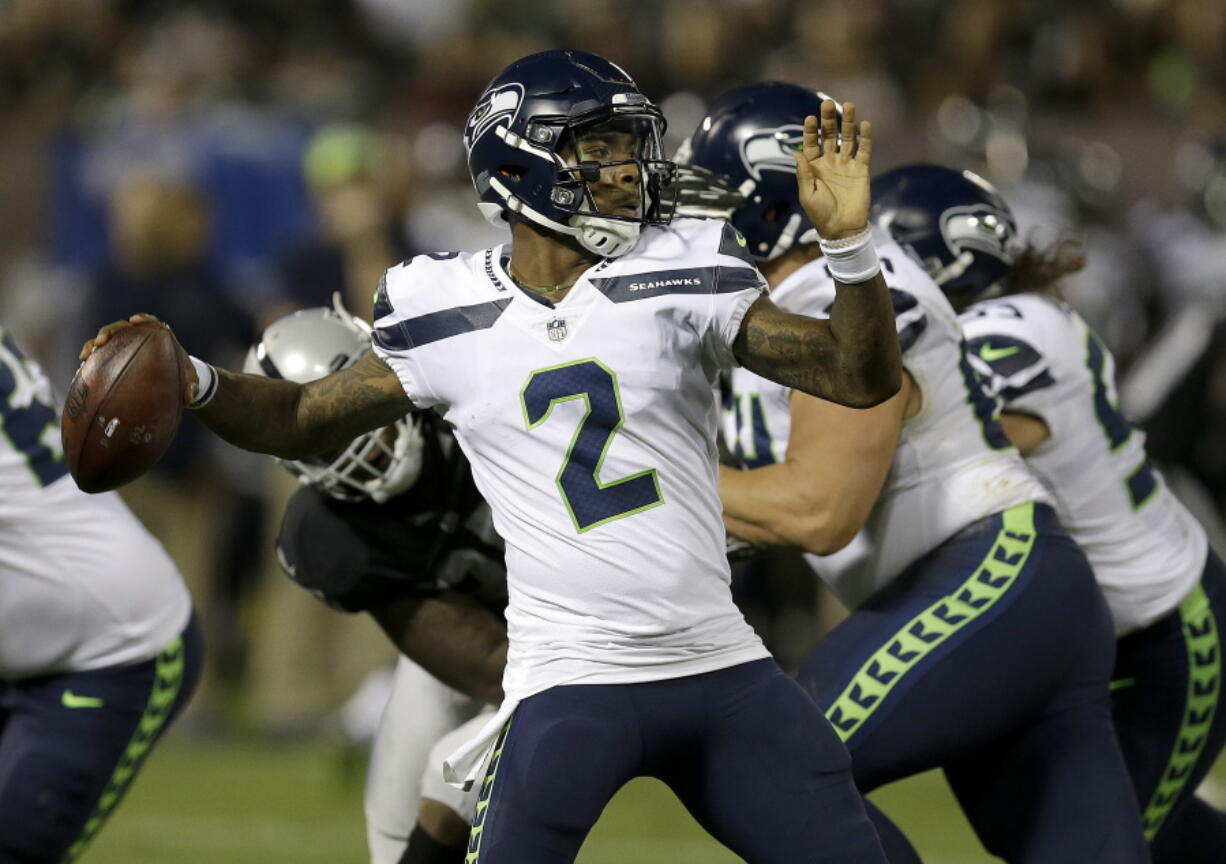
pixel 261 414
pixel 851 359
pixel 776 505
pixel 863 330
pixel 294 421
pixel 454 638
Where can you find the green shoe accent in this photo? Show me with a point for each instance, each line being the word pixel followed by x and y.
pixel 166 684
pixel 920 636
pixel 72 700
pixel 1121 683
pixel 1204 686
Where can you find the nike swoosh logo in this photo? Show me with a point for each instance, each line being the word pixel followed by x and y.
pixel 990 354
pixel 72 700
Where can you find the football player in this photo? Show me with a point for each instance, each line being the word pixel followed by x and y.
pixel 99 648
pixel 977 637
pixel 392 525
pixel 576 366
pixel 1165 586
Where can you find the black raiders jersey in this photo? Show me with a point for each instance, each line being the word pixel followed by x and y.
pixel 359 555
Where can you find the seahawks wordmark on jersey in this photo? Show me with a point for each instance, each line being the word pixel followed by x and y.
pixel 590 425
pixel 1042 359
pixel 82 584
pixel 953 465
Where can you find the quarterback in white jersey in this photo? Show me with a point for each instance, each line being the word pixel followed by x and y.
pixel 1165 587
pixel 577 367
pixel 554 456
pixel 961 557
pixel 98 645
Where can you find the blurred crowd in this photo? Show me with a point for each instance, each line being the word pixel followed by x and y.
pixel 218 163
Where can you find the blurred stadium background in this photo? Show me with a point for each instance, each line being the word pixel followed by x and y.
pixel 218 162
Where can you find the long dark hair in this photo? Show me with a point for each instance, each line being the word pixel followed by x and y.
pixel 1039 270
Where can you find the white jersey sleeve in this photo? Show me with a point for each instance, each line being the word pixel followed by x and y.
pixel 953 465
pixel 590 426
pixel 426 300
pixel 1042 359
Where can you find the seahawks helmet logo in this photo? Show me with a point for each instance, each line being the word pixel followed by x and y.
pixel 495 106
pixel 772 149
pixel 978 228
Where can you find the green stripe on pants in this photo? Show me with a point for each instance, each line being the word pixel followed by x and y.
pixel 880 674
pixel 1204 686
pixel 166 683
pixel 483 803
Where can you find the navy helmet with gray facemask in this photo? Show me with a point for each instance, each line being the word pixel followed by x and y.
pixel 953 222
pixel 745 145
pixel 522 141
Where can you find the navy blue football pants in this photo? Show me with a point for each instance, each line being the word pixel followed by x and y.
pixel 991 657
pixel 70 745
pixel 737 746
pixel 1171 721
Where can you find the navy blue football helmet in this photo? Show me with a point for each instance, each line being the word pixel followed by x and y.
pixel 955 224
pixel 529 134
pixel 747 139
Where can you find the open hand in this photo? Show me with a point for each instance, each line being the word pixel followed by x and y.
pixel 107 330
pixel 833 175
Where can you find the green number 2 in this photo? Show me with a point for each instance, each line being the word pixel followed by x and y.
pixel 590 501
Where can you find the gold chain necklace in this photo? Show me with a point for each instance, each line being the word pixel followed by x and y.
pixel 538 289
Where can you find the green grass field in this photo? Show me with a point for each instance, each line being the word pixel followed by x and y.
pixel 249 803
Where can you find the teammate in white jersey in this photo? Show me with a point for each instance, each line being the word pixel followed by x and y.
pixel 99 649
pixel 1166 588
pixel 977 636
pixel 576 366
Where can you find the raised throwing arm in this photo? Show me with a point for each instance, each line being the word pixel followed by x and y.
pixel 287 419
pixel 853 358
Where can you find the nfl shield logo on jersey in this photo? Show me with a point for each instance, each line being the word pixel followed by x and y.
pixel 556 330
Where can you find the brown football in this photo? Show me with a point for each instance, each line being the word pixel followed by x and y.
pixel 123 408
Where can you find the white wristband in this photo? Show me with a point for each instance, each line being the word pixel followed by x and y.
pixel 852 259
pixel 206 386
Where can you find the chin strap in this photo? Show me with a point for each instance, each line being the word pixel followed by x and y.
pixel 608 238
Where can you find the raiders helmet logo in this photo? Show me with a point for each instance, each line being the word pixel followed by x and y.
pixel 772 149
pixel 496 106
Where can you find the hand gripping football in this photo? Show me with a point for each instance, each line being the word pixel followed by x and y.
pixel 123 407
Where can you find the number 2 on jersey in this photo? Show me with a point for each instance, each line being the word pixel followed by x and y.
pixel 590 501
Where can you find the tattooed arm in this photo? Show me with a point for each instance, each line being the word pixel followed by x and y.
pixel 294 421
pixel 852 359
pixel 286 419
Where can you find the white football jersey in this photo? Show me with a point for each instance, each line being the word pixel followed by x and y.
pixel 591 426
pixel 953 465
pixel 1042 359
pixel 82 584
